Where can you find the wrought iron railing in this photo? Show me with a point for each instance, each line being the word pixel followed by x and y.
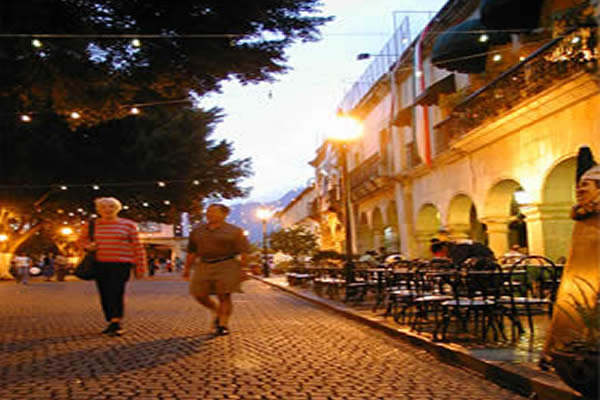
pixel 561 58
pixel 368 170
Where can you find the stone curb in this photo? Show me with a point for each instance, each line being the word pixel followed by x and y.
pixel 535 388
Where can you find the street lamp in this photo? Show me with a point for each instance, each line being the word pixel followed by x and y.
pixel 264 214
pixel 344 131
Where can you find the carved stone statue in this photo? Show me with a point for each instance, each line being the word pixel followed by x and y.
pixel 583 261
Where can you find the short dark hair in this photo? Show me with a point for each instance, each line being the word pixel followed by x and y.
pixel 220 206
pixel 438 245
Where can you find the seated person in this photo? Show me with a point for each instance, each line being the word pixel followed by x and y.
pixel 458 253
pixel 369 258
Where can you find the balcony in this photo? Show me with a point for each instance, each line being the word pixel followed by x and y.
pixel 368 177
pixel 561 59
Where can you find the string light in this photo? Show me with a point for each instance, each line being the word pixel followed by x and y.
pixel 497 57
pixel 145 204
pixel 80 210
pixel 134 111
pixel 196 182
pixel 25 118
pixel 125 207
pixel 484 38
pixel 161 184
pixel 96 187
pixel 36 43
pixel 75 115
pixel 63 188
pixel 167 202
pixel 576 40
pixel 136 43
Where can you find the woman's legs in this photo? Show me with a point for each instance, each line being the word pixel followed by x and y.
pixel 111 283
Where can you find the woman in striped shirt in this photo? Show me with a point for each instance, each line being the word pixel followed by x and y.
pixel 118 249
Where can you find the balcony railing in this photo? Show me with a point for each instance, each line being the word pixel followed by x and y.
pixel 368 177
pixel 559 59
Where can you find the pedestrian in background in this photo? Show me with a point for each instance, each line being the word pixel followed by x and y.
pixel 213 249
pixel 23 263
pixel 48 266
pixel 118 250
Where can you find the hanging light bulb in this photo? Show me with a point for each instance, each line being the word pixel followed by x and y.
pixel 497 58
pixel 136 43
pixel 75 115
pixel 63 187
pixel 484 38
pixel 161 184
pixel 145 204
pixel 134 111
pixel 167 202
pixel 25 118
pixel 196 182
pixel 96 187
pixel 125 207
pixel 36 43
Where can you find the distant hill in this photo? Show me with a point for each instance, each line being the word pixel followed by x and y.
pixel 244 215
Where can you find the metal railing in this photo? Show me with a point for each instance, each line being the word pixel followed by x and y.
pixel 384 60
pixel 559 59
pixel 366 171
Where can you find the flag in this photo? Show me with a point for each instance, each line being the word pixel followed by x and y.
pixel 422 131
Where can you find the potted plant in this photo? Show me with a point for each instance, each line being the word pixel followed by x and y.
pixel 577 362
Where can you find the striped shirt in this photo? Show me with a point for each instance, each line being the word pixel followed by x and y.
pixel 116 241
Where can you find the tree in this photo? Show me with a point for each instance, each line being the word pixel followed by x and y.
pixel 158 165
pixel 294 241
pixel 84 59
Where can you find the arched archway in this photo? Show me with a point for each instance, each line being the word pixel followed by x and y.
pixel 428 224
pixel 391 239
pixel 500 210
pixel 365 238
pixel 378 227
pixel 463 222
pixel 558 196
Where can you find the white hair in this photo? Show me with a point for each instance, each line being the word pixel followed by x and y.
pixel 108 200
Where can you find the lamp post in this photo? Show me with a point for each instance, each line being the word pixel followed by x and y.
pixel 264 215
pixel 344 131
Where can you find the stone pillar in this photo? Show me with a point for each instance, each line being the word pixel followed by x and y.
pixel 549 228
pixel 497 231
pixel 423 243
pixel 459 231
pixel 406 227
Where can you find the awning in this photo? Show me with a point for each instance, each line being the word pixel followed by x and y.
pixel 462 49
pixel 511 14
pixel 431 95
pixel 403 117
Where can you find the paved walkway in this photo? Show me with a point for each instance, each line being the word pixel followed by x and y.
pixel 281 347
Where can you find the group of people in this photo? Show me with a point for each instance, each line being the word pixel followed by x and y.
pixel 217 255
pixel 47 265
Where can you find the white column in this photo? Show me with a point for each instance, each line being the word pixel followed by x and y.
pixel 549 228
pixel 497 230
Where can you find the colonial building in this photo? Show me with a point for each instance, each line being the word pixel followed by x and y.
pixel 300 212
pixel 474 128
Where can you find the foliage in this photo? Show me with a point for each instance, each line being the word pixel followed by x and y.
pixel 88 63
pixel 126 158
pixel 587 314
pixel 294 241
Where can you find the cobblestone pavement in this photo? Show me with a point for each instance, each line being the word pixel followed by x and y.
pixel 280 348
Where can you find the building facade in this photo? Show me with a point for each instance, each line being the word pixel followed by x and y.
pixel 475 127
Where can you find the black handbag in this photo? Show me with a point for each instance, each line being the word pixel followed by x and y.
pixel 87 269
